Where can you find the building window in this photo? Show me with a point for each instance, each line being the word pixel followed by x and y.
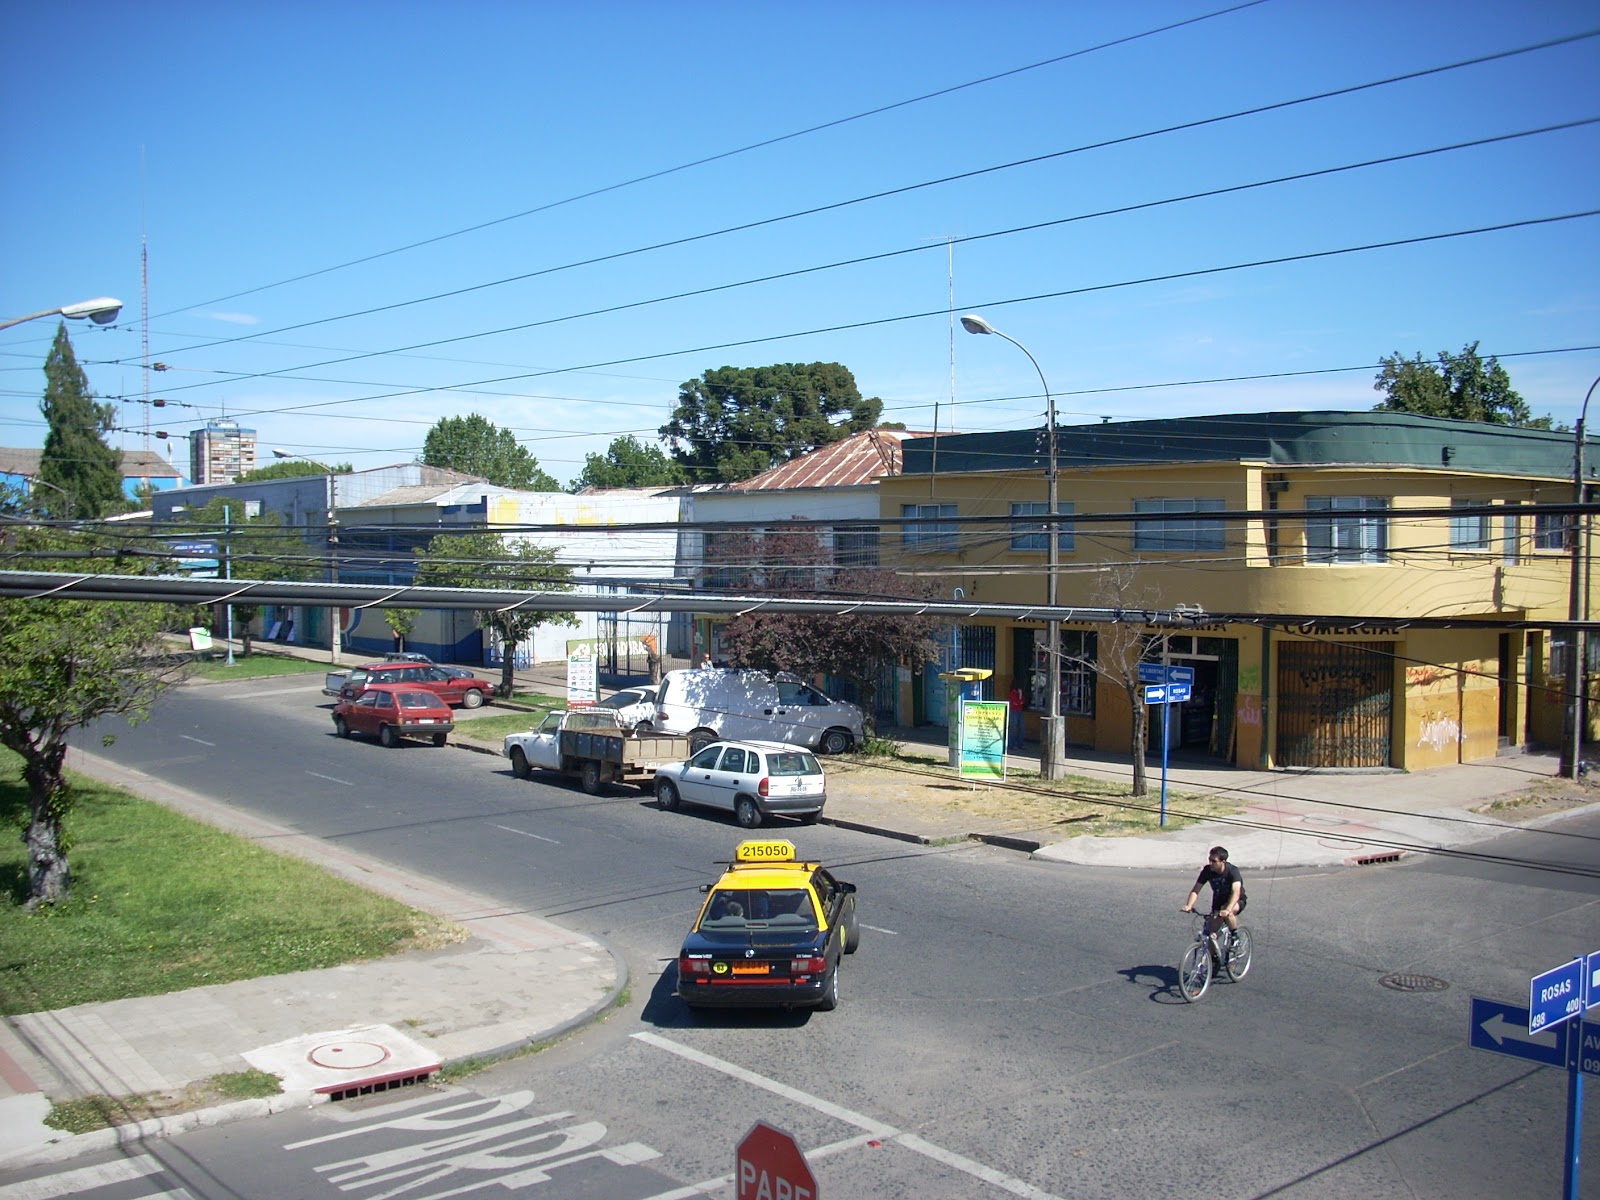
pixel 1078 650
pixel 855 547
pixel 1029 534
pixel 1468 531
pixel 940 532
pixel 1347 539
pixel 1550 531
pixel 1178 536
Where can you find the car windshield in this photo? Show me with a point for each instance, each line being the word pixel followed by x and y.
pixel 356 675
pixel 758 908
pixel 792 762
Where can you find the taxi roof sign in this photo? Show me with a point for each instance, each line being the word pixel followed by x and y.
pixel 967 674
pixel 766 851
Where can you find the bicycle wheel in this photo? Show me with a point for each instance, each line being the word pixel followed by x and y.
pixel 1237 964
pixel 1194 974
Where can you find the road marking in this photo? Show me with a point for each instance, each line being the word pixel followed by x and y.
pixel 875 1129
pixel 331 779
pixel 881 929
pixel 202 741
pixel 70 1183
pixel 524 833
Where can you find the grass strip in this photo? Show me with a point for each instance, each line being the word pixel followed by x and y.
pixel 160 903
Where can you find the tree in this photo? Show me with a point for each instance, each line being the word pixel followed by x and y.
pixel 259 547
pixel 485 560
pixel 291 468
pixel 76 459
pixel 474 445
pixel 1461 386
pixel 63 665
pixel 736 422
pixel 401 621
pixel 629 463
pixel 856 647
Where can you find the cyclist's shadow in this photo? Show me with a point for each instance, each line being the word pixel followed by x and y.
pixel 1162 978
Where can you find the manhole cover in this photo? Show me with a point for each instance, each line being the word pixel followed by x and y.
pixel 348 1056
pixel 1400 981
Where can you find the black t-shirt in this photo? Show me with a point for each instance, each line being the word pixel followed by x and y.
pixel 1221 884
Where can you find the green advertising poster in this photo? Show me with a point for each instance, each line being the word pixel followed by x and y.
pixel 983 738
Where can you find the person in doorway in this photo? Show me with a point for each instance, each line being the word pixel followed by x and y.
pixel 1227 892
pixel 705 662
pixel 1018 702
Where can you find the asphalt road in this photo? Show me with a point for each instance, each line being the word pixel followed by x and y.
pixel 1008 1027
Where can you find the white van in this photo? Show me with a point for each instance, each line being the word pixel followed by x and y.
pixel 746 705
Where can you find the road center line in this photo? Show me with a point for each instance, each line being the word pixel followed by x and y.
pixel 202 741
pixel 878 1129
pixel 331 779
pixel 881 929
pixel 525 833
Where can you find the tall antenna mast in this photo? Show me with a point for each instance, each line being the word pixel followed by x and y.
pixel 950 251
pixel 144 296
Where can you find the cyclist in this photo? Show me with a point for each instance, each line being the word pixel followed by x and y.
pixel 1227 892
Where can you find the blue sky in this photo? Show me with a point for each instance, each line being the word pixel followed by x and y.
pixel 260 149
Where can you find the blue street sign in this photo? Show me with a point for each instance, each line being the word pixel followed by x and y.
pixel 1184 675
pixel 1588 1034
pixel 1502 1029
pixel 1592 995
pixel 193 547
pixel 1156 694
pixel 1150 672
pixel 1177 693
pixel 1556 996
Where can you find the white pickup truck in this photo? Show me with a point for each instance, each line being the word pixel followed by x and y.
pixel 591 744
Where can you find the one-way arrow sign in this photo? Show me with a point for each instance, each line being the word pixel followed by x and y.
pixel 1503 1029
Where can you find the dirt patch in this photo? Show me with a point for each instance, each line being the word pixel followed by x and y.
pixel 1542 799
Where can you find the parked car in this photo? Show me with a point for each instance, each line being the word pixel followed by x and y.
pixel 391 711
pixel 635 708
pixel 414 656
pixel 466 689
pixel 773 930
pixel 711 703
pixel 752 780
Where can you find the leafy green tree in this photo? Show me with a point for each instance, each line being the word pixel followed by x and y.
pixel 291 468
pixel 858 647
pixel 1461 386
pixel 474 445
pixel 736 422
pixel 401 621
pixel 259 547
pixel 63 665
pixel 76 458
pixel 629 463
pixel 486 560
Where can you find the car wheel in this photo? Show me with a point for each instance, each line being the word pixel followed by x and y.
pixel 387 736
pixel 591 779
pixel 439 739
pixel 644 728
pixel 473 699
pixel 700 739
pixel 341 727
pixel 810 818
pixel 852 932
pixel 830 994
pixel 519 764
pixel 836 741
pixel 747 813
pixel 666 795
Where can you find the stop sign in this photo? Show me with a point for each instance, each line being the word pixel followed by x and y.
pixel 768 1165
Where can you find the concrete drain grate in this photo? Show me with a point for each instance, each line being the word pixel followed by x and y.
pixel 1401 981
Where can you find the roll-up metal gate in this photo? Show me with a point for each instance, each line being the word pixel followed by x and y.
pixel 1335 704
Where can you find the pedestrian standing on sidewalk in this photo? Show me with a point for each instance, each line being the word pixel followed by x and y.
pixel 705 662
pixel 1018 702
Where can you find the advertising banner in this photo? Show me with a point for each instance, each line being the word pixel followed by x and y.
pixel 983 738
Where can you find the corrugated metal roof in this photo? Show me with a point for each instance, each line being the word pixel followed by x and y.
pixel 143 463
pixel 1324 439
pixel 857 460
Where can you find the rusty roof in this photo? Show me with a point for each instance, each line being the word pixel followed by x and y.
pixel 854 462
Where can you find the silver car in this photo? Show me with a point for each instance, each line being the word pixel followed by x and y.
pixel 752 780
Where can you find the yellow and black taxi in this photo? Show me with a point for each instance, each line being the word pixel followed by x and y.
pixel 772 932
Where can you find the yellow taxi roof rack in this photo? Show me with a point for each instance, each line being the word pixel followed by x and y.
pixel 967 674
pixel 767 850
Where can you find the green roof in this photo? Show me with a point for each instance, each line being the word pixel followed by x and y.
pixel 1288 439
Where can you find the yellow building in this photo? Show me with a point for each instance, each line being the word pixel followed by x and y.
pixel 1378 589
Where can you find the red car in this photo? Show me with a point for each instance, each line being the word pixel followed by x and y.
pixel 464 689
pixel 391 711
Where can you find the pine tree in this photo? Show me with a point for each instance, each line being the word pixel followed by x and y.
pixel 84 474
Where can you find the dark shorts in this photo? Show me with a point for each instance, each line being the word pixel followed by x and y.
pixel 1243 900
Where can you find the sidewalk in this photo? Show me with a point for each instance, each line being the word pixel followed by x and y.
pixel 519 980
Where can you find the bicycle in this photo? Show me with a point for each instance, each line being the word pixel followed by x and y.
pixel 1205 958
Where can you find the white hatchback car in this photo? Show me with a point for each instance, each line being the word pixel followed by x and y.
pixel 752 780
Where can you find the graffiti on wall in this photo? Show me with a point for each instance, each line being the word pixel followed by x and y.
pixel 1250 710
pixel 1436 731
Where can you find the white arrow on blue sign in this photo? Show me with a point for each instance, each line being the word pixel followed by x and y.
pixel 1502 1028
pixel 1556 996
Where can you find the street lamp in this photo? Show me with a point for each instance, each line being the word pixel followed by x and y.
pixel 333 546
pixel 34 481
pixel 1052 744
pixel 1576 683
pixel 101 311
